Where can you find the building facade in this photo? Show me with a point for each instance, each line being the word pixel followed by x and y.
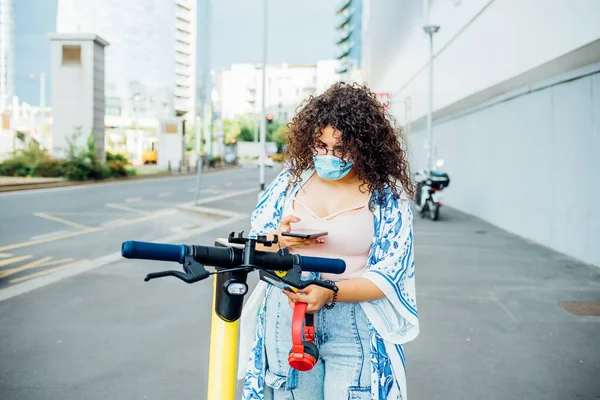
pixel 151 61
pixel 7 53
pixel 516 117
pixel 349 38
pixel 240 88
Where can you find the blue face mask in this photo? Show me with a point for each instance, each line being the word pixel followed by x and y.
pixel 331 168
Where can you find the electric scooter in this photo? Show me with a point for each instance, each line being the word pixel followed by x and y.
pixel 232 261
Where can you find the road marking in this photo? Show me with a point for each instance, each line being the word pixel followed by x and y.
pixel 60 220
pixel 47 271
pixel 226 196
pixel 209 191
pixel 115 221
pixel 82 213
pixel 133 200
pixel 2 255
pixel 148 217
pixel 47 235
pixel 13 260
pixel 125 208
pixel 42 262
pixel 84 266
pixel 90 230
pixel 165 194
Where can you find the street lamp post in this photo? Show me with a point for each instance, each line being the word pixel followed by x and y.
pixel 263 122
pixel 207 107
pixel 430 30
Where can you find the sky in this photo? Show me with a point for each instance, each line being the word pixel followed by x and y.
pixel 299 32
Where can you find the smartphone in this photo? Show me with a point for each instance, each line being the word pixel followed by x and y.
pixel 305 233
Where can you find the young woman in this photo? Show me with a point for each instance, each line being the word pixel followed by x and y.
pixel 346 173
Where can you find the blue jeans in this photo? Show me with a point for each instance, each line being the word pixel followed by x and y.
pixel 343 371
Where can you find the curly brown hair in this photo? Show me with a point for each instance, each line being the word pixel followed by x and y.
pixel 377 148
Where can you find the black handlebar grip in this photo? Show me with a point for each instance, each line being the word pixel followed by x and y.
pixel 222 257
pixel 321 264
pixel 154 251
pixel 274 261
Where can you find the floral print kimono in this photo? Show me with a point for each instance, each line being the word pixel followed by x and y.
pixel 393 320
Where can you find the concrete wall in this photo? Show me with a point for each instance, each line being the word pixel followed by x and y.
pixel 481 45
pixel 516 107
pixel 78 93
pixel 529 164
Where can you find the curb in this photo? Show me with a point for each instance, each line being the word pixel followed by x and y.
pixel 44 185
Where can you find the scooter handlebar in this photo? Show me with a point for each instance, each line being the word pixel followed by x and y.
pixel 228 257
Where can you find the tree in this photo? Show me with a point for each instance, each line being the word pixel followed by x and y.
pixel 245 135
pixel 279 135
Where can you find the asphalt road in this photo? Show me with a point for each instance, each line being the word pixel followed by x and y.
pixel 492 323
pixel 49 230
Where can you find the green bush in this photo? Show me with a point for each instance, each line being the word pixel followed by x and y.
pixel 81 163
pixel 25 162
pixel 116 168
pixel 117 157
pixel 14 167
pixel 51 168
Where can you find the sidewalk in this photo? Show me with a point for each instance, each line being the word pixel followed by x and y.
pixel 491 324
pixel 17 180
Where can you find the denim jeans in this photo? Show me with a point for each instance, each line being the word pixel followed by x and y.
pixel 343 370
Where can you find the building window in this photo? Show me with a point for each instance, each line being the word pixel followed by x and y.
pixel 71 55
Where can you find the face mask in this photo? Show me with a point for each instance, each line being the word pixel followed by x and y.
pixel 331 168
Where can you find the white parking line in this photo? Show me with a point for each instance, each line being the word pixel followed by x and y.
pixel 144 217
pixel 125 208
pixel 60 220
pixel 165 194
pixel 47 235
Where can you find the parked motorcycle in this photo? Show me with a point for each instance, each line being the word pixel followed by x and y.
pixel 428 196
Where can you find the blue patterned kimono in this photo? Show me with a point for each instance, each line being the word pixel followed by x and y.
pixel 393 320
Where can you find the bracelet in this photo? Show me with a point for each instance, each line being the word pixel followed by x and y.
pixel 332 304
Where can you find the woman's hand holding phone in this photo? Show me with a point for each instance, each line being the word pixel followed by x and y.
pixel 293 242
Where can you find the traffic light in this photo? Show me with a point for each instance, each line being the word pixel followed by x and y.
pixel 269 118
